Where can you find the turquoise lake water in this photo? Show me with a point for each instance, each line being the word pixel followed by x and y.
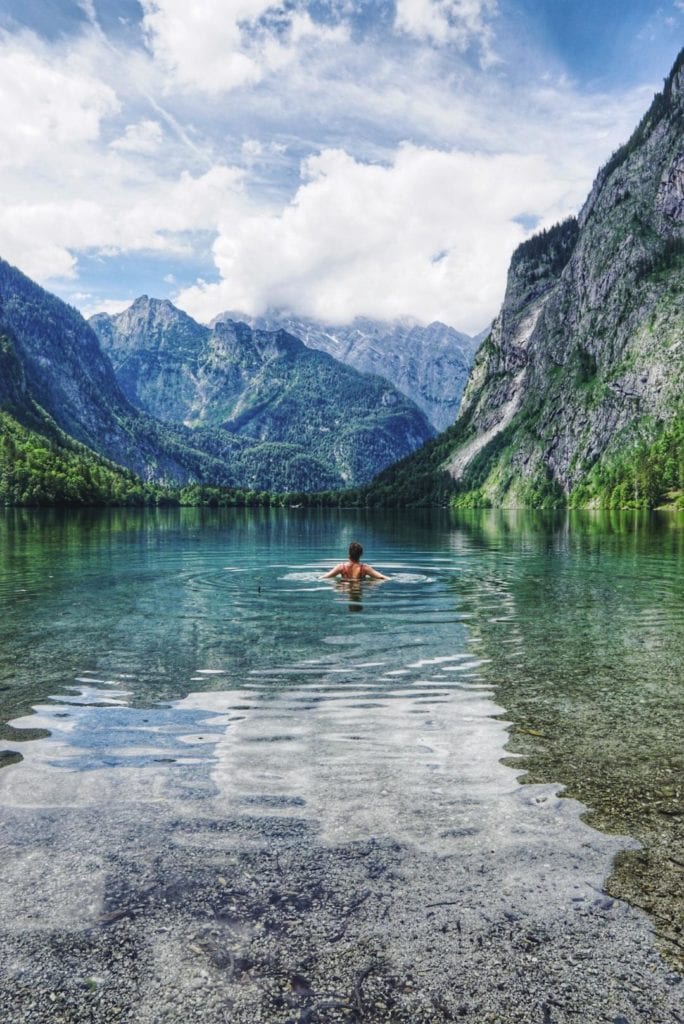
pixel 197 713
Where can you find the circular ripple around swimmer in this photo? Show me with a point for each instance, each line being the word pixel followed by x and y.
pixel 412 577
pixel 316 577
pixel 311 576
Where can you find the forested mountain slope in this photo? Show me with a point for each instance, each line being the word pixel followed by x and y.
pixel 39 463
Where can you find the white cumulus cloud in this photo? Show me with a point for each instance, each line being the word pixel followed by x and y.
pixel 111 150
pixel 218 45
pixel 428 235
pixel 49 101
pixel 201 43
pixel 41 235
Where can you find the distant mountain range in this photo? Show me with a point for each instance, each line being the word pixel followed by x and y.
pixel 265 386
pixel 429 364
pixel 59 385
pixel 577 394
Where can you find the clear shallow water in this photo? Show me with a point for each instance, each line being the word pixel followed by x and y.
pixel 209 723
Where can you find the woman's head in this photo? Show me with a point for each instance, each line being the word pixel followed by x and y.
pixel 355 551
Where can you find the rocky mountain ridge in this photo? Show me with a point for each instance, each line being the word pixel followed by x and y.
pixel 429 364
pixel 263 385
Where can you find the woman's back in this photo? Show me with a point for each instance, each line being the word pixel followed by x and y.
pixel 353 570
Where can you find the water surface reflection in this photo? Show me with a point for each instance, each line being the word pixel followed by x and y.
pixel 248 785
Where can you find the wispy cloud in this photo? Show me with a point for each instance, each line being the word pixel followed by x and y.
pixel 464 23
pixel 91 304
pixel 144 137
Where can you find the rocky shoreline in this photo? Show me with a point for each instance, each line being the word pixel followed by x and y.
pixel 151 919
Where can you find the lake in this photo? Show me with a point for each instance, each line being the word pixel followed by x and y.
pixel 231 791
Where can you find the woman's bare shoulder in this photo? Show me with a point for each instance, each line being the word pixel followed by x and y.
pixel 373 573
pixel 335 571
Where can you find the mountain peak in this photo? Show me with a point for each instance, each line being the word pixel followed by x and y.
pixel 151 303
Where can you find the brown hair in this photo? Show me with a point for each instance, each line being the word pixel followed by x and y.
pixel 355 551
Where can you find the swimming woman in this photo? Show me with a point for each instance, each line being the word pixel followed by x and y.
pixel 354 569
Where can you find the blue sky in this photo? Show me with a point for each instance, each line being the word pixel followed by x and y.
pixel 331 158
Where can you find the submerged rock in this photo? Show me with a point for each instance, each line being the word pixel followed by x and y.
pixel 10 757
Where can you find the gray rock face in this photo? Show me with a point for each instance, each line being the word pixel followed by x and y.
pixel 670 197
pixel 430 365
pixel 265 385
pixel 155 349
pixel 587 354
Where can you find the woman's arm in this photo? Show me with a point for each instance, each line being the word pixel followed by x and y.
pixel 333 572
pixel 374 574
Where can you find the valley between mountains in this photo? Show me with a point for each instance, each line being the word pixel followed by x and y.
pixel 574 397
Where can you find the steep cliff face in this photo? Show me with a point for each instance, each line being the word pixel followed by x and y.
pixel 586 359
pixel 430 365
pixel 262 385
